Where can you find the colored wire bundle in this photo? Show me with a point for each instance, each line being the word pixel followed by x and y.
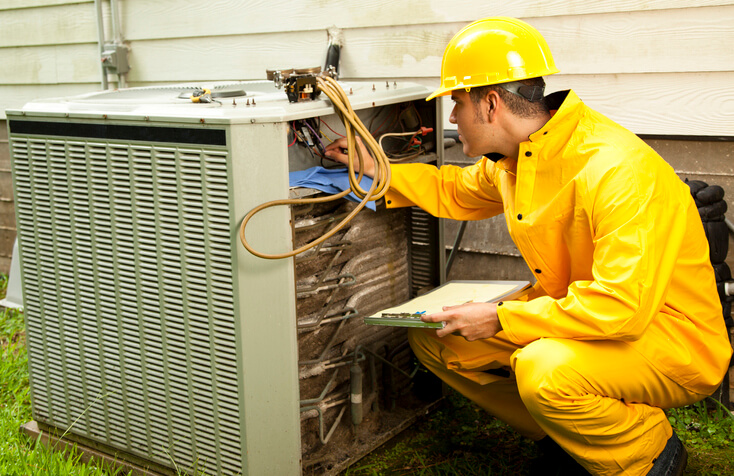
pixel 413 145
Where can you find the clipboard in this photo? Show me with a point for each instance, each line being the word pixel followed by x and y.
pixel 449 294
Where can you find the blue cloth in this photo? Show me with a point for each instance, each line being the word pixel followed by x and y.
pixel 330 181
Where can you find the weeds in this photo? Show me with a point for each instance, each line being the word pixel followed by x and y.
pixel 707 430
pixel 460 439
pixel 705 425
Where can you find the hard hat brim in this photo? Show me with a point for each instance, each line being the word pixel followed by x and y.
pixel 439 92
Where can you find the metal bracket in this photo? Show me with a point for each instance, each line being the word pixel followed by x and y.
pixel 278 79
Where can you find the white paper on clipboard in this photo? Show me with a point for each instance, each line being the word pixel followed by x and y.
pixel 459 292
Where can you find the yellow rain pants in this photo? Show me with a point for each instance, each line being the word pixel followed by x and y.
pixel 596 399
pixel 624 317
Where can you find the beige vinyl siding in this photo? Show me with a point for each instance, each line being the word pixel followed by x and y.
pixel 22 4
pixel 48 48
pixel 54 64
pixel 658 67
pixel 53 25
pixel 180 19
pixel 678 104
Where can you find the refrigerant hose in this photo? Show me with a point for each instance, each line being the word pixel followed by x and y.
pixel 380 183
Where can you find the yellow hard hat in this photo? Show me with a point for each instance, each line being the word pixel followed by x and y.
pixel 493 51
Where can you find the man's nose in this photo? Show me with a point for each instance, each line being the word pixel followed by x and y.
pixel 452 117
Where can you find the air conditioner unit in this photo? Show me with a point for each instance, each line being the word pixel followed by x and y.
pixel 155 336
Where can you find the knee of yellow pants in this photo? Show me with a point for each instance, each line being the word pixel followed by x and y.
pixel 539 369
pixel 606 434
pixel 496 395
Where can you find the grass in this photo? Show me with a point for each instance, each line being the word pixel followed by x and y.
pixel 19 455
pixel 461 439
pixel 458 439
pixel 707 430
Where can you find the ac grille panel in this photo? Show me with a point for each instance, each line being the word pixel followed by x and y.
pixel 127 274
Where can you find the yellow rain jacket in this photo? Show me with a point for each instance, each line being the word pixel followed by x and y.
pixel 610 232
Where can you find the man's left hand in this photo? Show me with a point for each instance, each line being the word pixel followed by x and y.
pixel 473 321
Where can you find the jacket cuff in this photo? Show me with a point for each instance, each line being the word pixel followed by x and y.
pixel 504 314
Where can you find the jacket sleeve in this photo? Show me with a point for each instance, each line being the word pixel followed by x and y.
pixel 639 215
pixel 460 193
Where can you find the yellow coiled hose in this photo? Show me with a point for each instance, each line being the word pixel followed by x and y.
pixel 380 182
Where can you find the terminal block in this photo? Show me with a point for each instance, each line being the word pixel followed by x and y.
pixel 301 88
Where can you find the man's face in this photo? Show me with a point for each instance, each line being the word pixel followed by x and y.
pixel 473 127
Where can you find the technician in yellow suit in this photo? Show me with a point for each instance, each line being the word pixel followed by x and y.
pixel 624 320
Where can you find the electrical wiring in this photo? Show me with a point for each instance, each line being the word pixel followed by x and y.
pixel 320 145
pixel 316 149
pixel 328 127
pixel 323 133
pixel 413 142
pixel 398 134
pixel 295 138
pixel 380 183
pixel 393 112
pixel 310 136
pixel 326 137
pixel 300 136
pixel 397 158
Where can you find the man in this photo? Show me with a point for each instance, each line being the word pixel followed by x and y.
pixel 624 320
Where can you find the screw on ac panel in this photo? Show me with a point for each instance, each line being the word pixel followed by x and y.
pixel 248 103
pixel 373 87
pixel 351 91
pixel 146 118
pixel 395 84
pixel 253 101
pixel 234 103
pixel 201 120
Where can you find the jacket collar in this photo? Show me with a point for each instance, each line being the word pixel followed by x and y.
pixel 566 104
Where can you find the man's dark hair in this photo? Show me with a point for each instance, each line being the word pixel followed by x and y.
pixel 517 104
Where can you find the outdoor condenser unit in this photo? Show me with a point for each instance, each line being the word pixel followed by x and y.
pixel 155 336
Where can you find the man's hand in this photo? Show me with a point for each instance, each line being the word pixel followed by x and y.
pixel 336 151
pixel 473 321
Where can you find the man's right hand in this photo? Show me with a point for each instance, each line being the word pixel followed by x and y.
pixel 336 151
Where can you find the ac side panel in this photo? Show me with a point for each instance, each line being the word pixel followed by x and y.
pixel 126 258
pixel 266 302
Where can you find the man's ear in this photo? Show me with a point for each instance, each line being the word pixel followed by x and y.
pixel 491 102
